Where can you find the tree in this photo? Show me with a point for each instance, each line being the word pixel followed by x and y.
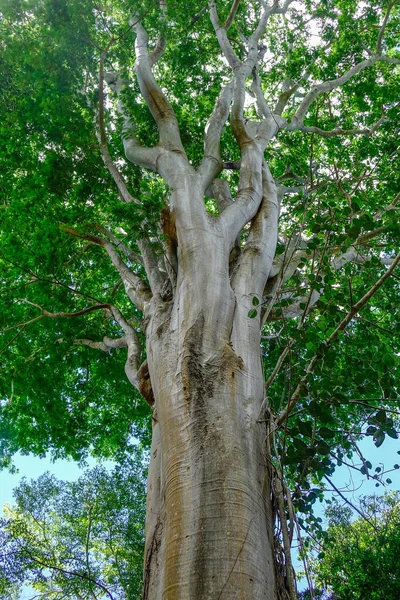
pixel 240 260
pixel 78 540
pixel 359 559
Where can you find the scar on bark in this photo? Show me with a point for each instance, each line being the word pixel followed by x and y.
pixel 144 384
pixel 231 362
pixel 153 549
pixel 169 230
pixel 199 377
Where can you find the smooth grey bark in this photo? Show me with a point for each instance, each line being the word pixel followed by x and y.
pixel 210 524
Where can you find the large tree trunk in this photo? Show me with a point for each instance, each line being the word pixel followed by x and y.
pixel 209 522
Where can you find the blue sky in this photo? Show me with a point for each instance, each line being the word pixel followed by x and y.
pixel 32 467
pixel 344 478
pixel 350 482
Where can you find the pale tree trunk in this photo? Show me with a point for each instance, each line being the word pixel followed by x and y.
pixel 209 528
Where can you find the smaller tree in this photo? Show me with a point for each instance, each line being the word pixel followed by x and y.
pixel 360 559
pixel 80 540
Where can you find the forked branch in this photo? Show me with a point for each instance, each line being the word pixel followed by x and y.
pixel 297 121
pixel 155 98
pixel 211 164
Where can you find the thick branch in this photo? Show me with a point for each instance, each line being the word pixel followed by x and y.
pixel 156 278
pixel 211 164
pixel 105 153
pixel 250 190
pixel 134 151
pixel 220 191
pixel 256 260
pixel 222 38
pixel 156 100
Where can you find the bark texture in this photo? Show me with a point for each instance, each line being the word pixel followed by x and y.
pixel 210 526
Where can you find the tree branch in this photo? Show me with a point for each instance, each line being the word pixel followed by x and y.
pixel 339 131
pixel 211 164
pixel 134 371
pixel 259 250
pixel 327 86
pixel 131 254
pixel 222 38
pixel 67 572
pixel 137 374
pixel 73 315
pixel 262 106
pixel 232 14
pixel 220 191
pixel 349 503
pixel 390 5
pixel 105 153
pixel 155 98
pixel 134 151
pixel 159 50
pixel 136 289
pixel 328 342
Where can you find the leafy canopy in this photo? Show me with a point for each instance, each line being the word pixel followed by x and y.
pixel 338 227
pixel 80 539
pixel 359 559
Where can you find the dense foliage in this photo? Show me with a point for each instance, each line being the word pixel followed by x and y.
pixel 359 559
pixel 81 539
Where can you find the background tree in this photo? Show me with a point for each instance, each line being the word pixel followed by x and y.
pixel 243 276
pixel 79 540
pixel 359 559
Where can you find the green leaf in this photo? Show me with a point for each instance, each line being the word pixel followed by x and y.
pixel 389 360
pixel 305 427
pixel 326 433
pixel 380 417
pixel 323 448
pixel 379 438
pixel 392 433
pixel 255 301
pixel 252 313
